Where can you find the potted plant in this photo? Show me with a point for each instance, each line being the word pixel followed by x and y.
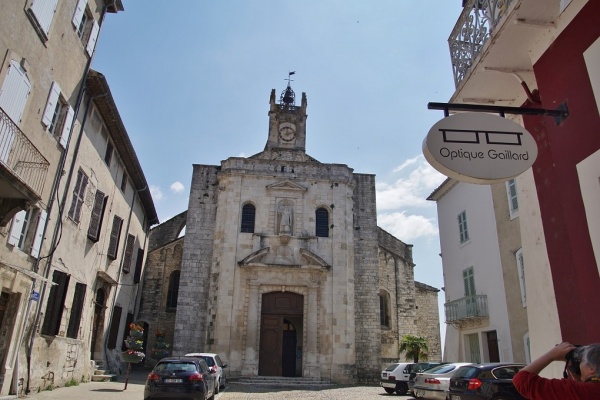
pixel 136 330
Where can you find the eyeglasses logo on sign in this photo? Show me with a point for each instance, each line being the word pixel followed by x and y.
pixel 479 148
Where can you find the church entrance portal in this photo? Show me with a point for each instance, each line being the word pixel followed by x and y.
pixel 281 334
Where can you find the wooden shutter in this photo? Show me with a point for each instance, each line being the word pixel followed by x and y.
pixel 79 11
pixel 100 201
pixel 138 266
pixel 78 196
pixel 68 124
pixel 115 235
pixel 39 234
pixel 128 321
pixel 43 11
pixel 114 327
pixel 17 228
pixel 76 309
pixel 55 305
pixel 93 37
pixel 51 104
pixel 128 253
pixel 14 92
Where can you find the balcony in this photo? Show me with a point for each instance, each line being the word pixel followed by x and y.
pixel 467 310
pixel 23 168
pixel 494 44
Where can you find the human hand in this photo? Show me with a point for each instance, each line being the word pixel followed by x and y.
pixel 559 352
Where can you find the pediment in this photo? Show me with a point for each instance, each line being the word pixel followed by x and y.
pixel 286 185
pixel 267 257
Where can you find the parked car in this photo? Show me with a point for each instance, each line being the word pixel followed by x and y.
pixel 419 367
pixel 216 365
pixel 485 382
pixel 433 384
pixel 394 378
pixel 186 378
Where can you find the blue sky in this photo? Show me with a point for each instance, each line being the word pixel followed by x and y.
pixel 192 81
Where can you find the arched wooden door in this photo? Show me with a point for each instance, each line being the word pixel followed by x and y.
pixel 277 351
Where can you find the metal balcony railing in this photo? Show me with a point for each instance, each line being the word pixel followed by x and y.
pixel 466 308
pixel 472 30
pixel 20 156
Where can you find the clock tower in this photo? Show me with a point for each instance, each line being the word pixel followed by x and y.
pixel 287 123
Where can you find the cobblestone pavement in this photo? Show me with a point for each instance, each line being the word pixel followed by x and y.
pixel 248 392
pixel 235 391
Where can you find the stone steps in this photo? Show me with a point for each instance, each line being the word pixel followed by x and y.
pixel 100 375
pixel 280 381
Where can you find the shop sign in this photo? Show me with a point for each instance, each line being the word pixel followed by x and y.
pixel 479 148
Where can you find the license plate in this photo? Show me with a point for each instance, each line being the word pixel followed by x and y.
pixel 173 380
pixel 454 397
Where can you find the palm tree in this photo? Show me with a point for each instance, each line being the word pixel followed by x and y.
pixel 414 346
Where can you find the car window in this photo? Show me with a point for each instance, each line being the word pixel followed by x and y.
pixel 407 369
pixel 441 369
pixel 465 372
pixel 203 366
pixel 209 360
pixel 506 372
pixel 391 367
pixel 175 366
pixel 219 362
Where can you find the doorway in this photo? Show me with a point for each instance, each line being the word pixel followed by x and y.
pixel 280 352
pixel 99 306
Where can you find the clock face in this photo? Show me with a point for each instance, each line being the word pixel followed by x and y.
pixel 287 131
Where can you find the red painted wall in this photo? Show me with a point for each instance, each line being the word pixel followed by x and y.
pixel 562 76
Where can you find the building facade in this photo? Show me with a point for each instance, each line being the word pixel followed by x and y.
pixel 67 172
pixel 545 54
pixel 482 260
pixel 283 269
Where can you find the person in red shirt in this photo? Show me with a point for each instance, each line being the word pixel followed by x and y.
pixel 585 386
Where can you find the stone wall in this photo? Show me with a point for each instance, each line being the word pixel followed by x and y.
pixel 191 320
pixel 428 320
pixel 366 280
pixel 166 232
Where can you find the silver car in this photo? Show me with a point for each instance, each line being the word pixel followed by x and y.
pixel 216 366
pixel 434 383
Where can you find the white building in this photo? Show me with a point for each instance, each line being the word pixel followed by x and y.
pixel 482 260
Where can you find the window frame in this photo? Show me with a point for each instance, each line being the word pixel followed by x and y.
pixel 321 227
pixel 521 272
pixel 55 304
pixel 76 310
pixel 513 198
pixel 115 237
pixel 173 290
pixel 463 228
pixel 248 220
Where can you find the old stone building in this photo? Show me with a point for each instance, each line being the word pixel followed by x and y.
pixel 283 269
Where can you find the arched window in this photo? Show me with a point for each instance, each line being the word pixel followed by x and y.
pixel 173 292
pixel 248 216
pixel 384 309
pixel 322 222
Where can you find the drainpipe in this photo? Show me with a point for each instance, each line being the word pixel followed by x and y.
pixel 53 194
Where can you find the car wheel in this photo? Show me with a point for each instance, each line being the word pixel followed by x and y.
pixel 388 390
pixel 402 389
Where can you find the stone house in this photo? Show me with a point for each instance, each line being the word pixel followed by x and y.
pixel 74 205
pixel 283 270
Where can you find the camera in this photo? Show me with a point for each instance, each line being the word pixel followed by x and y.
pixel 573 360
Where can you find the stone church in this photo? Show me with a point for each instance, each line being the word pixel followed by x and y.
pixel 283 270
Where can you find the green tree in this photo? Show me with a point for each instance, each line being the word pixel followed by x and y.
pixel 415 347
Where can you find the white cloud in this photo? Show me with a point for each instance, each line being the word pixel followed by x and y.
pixel 410 190
pixel 156 192
pixel 407 227
pixel 177 187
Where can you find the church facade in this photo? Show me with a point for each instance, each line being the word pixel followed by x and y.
pixel 283 270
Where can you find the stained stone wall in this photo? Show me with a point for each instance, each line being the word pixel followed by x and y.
pixel 191 319
pixel 366 280
pixel 428 321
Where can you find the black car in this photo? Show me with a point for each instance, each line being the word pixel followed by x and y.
pixel 182 378
pixel 485 382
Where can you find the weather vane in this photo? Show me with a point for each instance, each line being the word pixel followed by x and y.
pixel 289 79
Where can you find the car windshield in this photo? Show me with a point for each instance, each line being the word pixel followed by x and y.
pixel 175 366
pixel 391 367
